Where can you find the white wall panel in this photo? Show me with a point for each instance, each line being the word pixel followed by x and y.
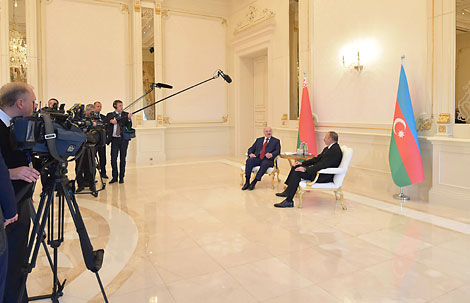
pixel 382 32
pixel 194 48
pixel 86 53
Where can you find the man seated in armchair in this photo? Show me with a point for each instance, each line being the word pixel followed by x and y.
pixel 262 153
pixel 330 157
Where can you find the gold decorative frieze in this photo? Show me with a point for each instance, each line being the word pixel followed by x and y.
pixel 444 118
pixel 253 17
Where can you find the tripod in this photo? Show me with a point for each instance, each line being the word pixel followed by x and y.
pixel 87 166
pixel 56 181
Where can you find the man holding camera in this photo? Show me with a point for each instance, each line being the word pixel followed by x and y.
pixel 17 99
pixel 84 175
pixel 117 122
pixel 101 149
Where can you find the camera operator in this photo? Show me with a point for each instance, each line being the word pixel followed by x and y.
pixel 101 149
pixel 116 122
pixel 53 103
pixel 17 99
pixel 82 165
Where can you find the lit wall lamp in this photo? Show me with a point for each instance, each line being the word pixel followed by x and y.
pixel 357 65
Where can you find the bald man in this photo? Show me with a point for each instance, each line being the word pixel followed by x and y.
pixel 262 153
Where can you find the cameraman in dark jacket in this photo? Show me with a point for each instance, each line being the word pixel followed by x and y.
pixel 17 99
pixel 101 149
pixel 117 121
pixel 83 170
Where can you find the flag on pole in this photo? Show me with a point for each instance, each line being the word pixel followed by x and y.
pixel 404 156
pixel 306 127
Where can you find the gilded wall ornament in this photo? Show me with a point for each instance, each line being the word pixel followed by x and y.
pixel 254 16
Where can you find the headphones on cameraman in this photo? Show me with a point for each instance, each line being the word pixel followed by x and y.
pixel 115 103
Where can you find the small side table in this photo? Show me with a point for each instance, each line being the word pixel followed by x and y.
pixel 295 157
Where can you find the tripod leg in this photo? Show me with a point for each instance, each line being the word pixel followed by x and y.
pixel 36 235
pixel 93 259
pixel 101 287
pixel 43 242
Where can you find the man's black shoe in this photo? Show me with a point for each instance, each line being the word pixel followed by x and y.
pixel 252 185
pixel 245 187
pixel 121 181
pixel 283 194
pixel 104 176
pixel 285 204
pixel 113 181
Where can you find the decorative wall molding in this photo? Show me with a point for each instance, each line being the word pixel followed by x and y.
pixel 253 17
pixel 124 6
pixel 224 119
pixel 167 12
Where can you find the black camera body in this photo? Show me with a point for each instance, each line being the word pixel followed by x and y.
pixel 30 134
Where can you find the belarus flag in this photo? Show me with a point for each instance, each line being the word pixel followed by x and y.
pixel 405 156
pixel 306 127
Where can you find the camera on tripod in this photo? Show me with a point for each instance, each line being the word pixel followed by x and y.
pixel 52 136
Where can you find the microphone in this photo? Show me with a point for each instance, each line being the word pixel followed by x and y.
pixel 161 85
pixel 226 77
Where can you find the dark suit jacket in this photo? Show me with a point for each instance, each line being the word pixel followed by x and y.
pixel 273 147
pixel 123 122
pixel 13 158
pixel 7 196
pixel 329 157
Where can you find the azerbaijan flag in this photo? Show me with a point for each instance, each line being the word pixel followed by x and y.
pixel 405 156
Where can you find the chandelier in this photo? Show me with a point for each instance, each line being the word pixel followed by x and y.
pixel 17 56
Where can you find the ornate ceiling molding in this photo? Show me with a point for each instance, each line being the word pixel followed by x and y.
pixel 253 17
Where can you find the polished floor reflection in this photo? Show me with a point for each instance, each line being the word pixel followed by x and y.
pixel 185 232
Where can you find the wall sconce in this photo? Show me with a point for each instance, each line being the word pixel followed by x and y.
pixel 356 65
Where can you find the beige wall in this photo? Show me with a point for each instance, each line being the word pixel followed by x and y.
pixel 194 49
pixel 382 31
pixel 86 50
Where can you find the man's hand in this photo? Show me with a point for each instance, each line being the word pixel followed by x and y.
pixel 301 168
pixel 269 155
pixel 113 121
pixel 129 116
pixel 9 221
pixel 252 155
pixel 297 163
pixel 24 173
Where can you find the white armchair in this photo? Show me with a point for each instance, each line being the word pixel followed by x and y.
pixel 272 172
pixel 339 174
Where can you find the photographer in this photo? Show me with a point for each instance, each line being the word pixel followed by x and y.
pixel 17 99
pixel 117 121
pixel 83 171
pixel 101 149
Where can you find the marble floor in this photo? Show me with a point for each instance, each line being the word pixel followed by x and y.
pixel 185 232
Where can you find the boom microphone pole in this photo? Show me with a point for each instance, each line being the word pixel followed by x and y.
pixel 218 73
pixel 152 87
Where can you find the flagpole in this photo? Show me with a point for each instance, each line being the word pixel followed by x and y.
pixel 403 60
pixel 401 195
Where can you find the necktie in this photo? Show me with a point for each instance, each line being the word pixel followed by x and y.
pixel 263 150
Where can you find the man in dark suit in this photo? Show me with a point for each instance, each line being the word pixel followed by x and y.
pixel 116 122
pixel 262 153
pixel 8 215
pixel 101 149
pixel 17 99
pixel 330 157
